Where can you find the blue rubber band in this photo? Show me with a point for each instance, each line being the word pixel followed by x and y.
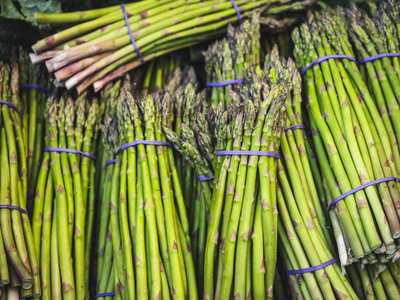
pixel 34 86
pixel 224 83
pixel 142 142
pixel 323 58
pixel 200 178
pixel 105 294
pixel 135 143
pixel 13 207
pixel 312 269
pixel 378 56
pixel 109 162
pixel 11 106
pixel 295 127
pixel 237 11
pixel 128 26
pixel 361 187
pixel 240 152
pixel 65 150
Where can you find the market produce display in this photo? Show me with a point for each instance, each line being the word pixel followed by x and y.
pixel 203 150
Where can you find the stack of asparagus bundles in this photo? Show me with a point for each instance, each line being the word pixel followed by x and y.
pixel 19 273
pixel 117 39
pixel 65 194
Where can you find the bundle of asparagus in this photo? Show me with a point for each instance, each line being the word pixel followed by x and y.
pixel 144 219
pixel 252 183
pixel 351 141
pixel 304 238
pixel 19 273
pixel 109 42
pixel 376 40
pixel 226 58
pixel 241 127
pixel 62 228
pixel 164 67
pixel 158 73
pixel 369 281
pixel 34 90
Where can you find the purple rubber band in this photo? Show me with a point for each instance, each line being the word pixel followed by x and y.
pixel 321 59
pixel 31 196
pixel 311 269
pixel 378 56
pixel 201 178
pixel 128 26
pixel 55 149
pixel 34 86
pixel 359 188
pixel 308 132
pixel 295 127
pixel 142 142
pixel 109 162
pixel 14 207
pixel 237 11
pixel 105 294
pixel 224 83
pixel 12 106
pixel 240 152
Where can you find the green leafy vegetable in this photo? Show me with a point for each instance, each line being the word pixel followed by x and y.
pixel 25 9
